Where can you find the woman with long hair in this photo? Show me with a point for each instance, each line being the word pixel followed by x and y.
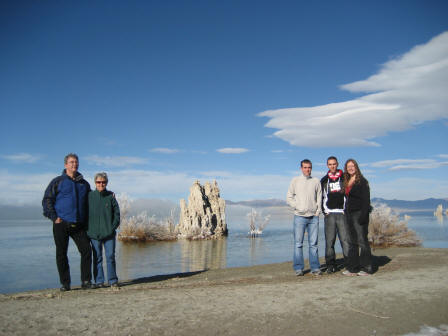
pixel 357 209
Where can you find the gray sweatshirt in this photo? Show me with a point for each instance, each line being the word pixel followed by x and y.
pixel 305 196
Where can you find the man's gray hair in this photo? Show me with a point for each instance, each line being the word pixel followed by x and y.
pixel 70 155
pixel 102 175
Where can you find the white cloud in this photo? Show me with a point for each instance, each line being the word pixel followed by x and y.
pixel 443 156
pixel 150 184
pixel 216 173
pixel 28 189
pixel 107 141
pixel 115 161
pixel 406 92
pixel 20 189
pixel 164 150
pixel 22 158
pixel 176 185
pixel 409 164
pixel 230 150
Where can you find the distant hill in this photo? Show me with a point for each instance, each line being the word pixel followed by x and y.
pixel 161 208
pixel 259 203
pixel 426 204
pixel 156 207
pixel 21 212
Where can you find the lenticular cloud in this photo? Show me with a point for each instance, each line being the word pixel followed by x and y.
pixel 407 91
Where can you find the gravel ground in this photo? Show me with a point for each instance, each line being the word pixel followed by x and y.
pixel 408 291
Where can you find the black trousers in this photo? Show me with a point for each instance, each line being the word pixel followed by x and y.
pixel 61 234
pixel 359 254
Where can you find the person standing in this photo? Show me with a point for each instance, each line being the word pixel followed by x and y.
pixel 65 203
pixel 357 209
pixel 305 198
pixel 333 203
pixel 104 219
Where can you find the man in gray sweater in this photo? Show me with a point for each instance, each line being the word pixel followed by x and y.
pixel 305 198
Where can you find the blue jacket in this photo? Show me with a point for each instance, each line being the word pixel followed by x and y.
pixel 67 199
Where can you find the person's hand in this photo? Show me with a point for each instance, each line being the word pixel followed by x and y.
pixel 58 220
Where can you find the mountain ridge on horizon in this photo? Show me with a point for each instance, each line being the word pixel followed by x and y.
pixel 34 212
pixel 427 204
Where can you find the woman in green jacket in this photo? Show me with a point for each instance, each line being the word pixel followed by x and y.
pixel 104 219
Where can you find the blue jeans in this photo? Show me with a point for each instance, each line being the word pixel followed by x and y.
pixel 109 249
pixel 311 225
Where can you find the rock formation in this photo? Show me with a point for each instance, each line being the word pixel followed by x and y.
pixel 204 216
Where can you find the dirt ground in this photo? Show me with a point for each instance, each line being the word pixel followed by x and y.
pixel 408 290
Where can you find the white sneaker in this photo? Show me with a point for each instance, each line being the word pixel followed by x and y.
pixel 348 273
pixel 362 273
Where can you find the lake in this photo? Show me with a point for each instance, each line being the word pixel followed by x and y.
pixel 27 252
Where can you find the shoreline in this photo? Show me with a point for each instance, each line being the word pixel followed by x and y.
pixel 408 290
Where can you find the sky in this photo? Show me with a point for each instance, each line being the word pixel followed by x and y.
pixel 161 93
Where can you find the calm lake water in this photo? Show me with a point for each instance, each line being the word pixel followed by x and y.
pixel 27 252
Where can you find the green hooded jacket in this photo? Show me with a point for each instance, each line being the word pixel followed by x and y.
pixel 104 214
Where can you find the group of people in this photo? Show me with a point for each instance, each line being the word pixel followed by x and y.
pixel 89 217
pixel 344 199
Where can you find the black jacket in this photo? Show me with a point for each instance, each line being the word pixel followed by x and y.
pixel 333 193
pixel 359 198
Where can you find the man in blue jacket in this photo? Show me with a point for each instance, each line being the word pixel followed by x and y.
pixel 65 203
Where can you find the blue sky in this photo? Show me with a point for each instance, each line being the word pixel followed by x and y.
pixel 159 94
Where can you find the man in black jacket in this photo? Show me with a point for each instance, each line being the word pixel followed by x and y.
pixel 65 203
pixel 333 201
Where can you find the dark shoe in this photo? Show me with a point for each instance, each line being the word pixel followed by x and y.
pixel 86 285
pixel 331 269
pixel 300 273
pixel 316 273
pixel 99 285
pixel 368 270
pixel 65 288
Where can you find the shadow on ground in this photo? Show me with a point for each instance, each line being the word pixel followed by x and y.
pixel 377 262
pixel 157 278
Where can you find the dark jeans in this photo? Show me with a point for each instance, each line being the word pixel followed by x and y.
pixel 358 228
pixel 61 234
pixel 335 224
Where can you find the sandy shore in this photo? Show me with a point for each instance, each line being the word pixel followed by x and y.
pixel 408 290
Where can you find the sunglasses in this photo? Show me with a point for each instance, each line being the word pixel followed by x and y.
pixel 100 182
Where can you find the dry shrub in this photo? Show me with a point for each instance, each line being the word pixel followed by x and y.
pixel 143 228
pixel 386 229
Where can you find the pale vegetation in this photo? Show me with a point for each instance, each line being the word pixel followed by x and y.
pixel 439 211
pixel 387 230
pixel 257 223
pixel 142 227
